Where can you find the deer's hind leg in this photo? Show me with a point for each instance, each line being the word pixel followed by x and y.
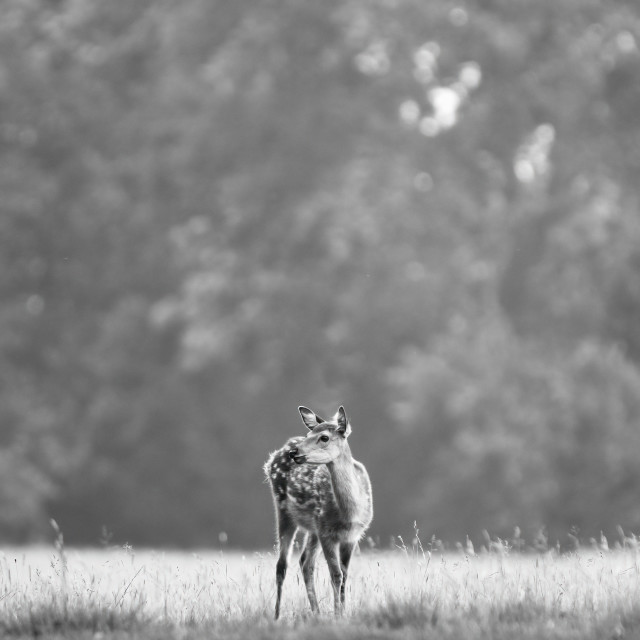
pixel 308 566
pixel 286 534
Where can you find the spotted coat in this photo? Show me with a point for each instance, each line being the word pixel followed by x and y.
pixel 304 492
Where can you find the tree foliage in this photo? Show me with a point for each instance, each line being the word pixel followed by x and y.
pixel 213 212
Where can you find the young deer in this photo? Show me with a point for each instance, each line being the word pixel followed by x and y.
pixel 318 487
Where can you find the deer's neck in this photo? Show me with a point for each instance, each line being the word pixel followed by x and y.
pixel 345 485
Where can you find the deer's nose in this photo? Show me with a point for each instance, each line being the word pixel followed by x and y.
pixel 296 456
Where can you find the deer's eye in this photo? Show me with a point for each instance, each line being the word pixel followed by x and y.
pixel 324 438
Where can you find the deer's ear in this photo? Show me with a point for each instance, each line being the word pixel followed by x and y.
pixel 344 428
pixel 309 418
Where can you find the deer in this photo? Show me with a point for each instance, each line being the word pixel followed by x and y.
pixel 320 489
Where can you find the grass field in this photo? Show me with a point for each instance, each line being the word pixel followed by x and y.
pixel 126 593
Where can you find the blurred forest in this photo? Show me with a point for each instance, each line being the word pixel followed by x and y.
pixel 212 212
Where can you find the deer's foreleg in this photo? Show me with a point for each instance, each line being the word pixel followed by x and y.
pixel 331 553
pixel 346 551
pixel 308 566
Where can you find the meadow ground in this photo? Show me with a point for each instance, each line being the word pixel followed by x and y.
pixel 127 593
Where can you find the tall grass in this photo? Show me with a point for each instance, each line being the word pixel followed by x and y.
pixel 410 592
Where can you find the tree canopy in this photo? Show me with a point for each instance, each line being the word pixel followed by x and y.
pixel 213 212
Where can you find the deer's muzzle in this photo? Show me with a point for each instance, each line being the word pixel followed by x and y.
pixel 296 456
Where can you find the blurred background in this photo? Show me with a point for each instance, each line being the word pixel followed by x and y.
pixel 212 212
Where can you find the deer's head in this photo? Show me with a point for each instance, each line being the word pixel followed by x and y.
pixel 326 440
